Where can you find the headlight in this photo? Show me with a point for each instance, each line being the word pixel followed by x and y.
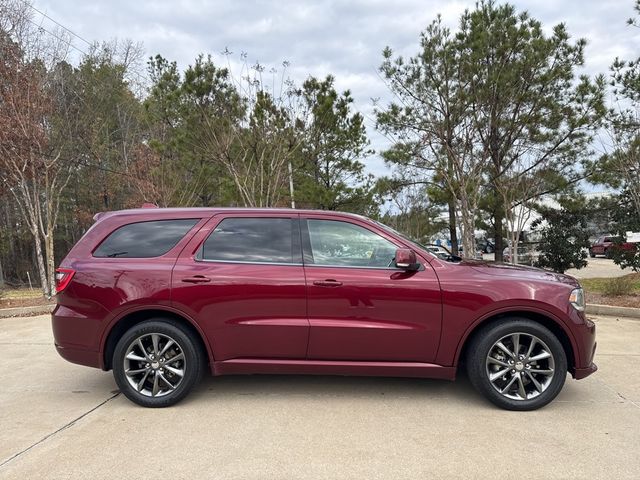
pixel 576 298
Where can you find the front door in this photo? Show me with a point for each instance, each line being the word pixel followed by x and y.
pixel 241 278
pixel 361 307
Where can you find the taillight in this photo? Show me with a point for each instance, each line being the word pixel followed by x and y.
pixel 63 277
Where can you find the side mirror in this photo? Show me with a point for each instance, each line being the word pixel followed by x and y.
pixel 406 259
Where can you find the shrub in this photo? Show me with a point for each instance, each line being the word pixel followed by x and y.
pixel 618 286
pixel 563 238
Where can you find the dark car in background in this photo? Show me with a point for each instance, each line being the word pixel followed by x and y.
pixel 485 245
pixel 161 295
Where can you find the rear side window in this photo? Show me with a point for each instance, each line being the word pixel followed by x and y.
pixel 144 239
pixel 254 240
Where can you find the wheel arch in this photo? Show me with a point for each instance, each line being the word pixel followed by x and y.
pixel 131 318
pixel 544 319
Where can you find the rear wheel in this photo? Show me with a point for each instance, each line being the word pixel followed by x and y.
pixel 156 363
pixel 517 364
pixel 592 254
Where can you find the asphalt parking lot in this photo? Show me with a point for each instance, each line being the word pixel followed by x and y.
pixel 65 421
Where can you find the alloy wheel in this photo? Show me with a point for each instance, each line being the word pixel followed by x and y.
pixel 520 366
pixel 154 364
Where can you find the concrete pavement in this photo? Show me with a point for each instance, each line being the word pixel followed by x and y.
pixel 599 267
pixel 59 420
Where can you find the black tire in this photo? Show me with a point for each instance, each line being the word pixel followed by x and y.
pixel 184 343
pixel 483 343
pixel 591 254
pixel 607 253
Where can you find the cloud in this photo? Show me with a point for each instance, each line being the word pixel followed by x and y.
pixel 341 37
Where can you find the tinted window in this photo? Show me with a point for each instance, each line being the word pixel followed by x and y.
pixel 269 240
pixel 144 239
pixel 345 244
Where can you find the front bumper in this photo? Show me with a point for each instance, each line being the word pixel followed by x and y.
pixel 584 331
pixel 581 373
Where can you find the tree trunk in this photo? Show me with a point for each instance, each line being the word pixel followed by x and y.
pixel 498 212
pixel 453 232
pixel 50 260
pixel 1 275
pixel 468 235
pixel 42 272
pixel 513 249
pixel 468 218
pixel 498 220
pixel 13 255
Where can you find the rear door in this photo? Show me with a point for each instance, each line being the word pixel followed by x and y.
pixel 361 307
pixel 241 278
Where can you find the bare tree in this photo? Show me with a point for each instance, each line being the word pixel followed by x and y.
pixel 258 137
pixel 513 189
pixel 156 180
pixel 32 169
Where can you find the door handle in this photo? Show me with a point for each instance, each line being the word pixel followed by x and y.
pixel 196 279
pixel 327 283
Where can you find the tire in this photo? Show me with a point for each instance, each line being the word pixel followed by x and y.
pixel 607 253
pixel 591 254
pixel 541 379
pixel 165 373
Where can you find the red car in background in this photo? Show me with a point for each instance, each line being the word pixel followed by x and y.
pixel 161 295
pixel 606 244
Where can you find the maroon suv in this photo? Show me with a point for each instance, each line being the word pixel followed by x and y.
pixel 158 295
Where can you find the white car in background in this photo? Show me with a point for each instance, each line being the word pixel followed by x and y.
pixel 438 251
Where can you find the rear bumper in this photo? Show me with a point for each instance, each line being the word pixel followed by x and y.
pixel 76 336
pixel 80 356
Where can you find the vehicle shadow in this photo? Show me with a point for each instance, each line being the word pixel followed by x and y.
pixel 327 386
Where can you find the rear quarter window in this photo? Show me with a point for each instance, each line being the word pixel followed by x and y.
pixel 144 239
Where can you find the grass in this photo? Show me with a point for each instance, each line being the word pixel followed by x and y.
pixel 22 297
pixel 21 293
pixel 626 285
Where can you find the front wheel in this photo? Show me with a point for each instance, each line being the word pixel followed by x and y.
pixel 156 363
pixel 517 364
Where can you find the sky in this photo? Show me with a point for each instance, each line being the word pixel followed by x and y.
pixel 344 38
